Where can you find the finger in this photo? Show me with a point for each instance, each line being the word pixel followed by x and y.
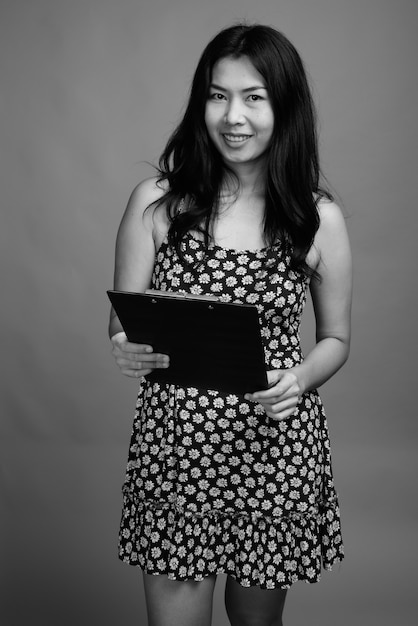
pixel 282 410
pixel 120 340
pixel 268 394
pixel 262 396
pixel 133 348
pixel 290 392
pixel 146 358
pixel 136 373
pixel 273 376
pixel 284 405
pixel 120 336
pixel 283 415
pixel 136 364
pixel 144 354
pixel 138 348
pixel 286 385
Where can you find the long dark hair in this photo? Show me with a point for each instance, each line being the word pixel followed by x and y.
pixel 194 170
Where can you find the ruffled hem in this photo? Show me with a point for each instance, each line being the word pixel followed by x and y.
pixel 253 548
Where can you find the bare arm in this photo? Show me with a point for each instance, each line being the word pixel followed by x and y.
pixel 332 301
pixel 332 305
pixel 139 235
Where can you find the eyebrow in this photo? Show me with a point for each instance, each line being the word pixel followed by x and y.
pixel 253 88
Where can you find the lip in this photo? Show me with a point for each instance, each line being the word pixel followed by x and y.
pixel 236 138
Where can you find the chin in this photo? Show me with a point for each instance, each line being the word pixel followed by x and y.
pixel 242 160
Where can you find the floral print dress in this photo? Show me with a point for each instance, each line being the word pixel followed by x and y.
pixel 212 484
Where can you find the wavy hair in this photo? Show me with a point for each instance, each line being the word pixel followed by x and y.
pixel 193 170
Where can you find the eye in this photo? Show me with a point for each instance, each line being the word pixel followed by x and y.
pixel 216 96
pixel 255 97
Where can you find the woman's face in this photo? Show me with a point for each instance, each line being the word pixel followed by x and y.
pixel 239 116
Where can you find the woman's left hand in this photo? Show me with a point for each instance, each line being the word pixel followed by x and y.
pixel 281 398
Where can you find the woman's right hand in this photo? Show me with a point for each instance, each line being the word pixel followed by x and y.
pixel 136 359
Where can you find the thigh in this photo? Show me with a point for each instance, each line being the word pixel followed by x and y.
pixel 178 603
pixel 252 606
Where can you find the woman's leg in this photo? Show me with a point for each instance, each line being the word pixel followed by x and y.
pixel 178 603
pixel 252 606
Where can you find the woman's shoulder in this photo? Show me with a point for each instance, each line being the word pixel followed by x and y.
pixel 331 217
pixel 144 217
pixel 146 193
pixel 331 232
pixel 144 203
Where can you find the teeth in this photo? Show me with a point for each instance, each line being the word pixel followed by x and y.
pixel 236 138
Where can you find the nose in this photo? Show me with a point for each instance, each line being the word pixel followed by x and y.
pixel 234 113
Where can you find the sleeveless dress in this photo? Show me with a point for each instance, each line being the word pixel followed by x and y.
pixel 212 484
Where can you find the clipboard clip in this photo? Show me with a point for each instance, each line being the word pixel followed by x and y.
pixel 181 296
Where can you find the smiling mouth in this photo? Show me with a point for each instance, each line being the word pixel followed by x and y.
pixel 235 138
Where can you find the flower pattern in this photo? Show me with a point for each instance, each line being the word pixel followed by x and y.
pixel 212 484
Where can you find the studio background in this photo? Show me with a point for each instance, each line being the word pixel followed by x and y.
pixel 90 91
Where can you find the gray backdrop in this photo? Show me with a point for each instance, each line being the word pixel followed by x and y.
pixel 90 90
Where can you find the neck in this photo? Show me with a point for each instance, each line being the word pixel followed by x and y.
pixel 251 179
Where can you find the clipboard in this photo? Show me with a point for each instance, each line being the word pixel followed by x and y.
pixel 211 344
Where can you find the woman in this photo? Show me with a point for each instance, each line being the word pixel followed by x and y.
pixel 218 483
